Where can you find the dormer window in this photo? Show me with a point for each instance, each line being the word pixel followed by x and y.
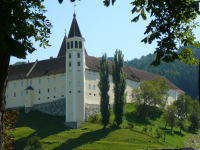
pixel 80 44
pixel 76 44
pixel 71 44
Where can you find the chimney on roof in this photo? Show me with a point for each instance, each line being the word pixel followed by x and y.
pixel 51 57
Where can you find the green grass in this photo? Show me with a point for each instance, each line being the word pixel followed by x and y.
pixel 90 135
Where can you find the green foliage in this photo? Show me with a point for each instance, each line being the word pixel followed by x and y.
pixel 158 133
pixel 182 104
pixel 34 143
pixel 119 80
pixel 96 118
pixel 181 123
pixel 151 93
pixel 184 77
pixel 19 63
pixel 169 116
pixel 194 117
pixel 104 88
pixel 21 20
pixel 171 26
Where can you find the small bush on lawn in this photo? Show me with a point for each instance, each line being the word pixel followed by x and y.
pixel 34 143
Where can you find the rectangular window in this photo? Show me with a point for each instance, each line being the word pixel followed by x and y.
pixel 21 84
pixel 7 96
pixel 31 82
pixel 26 92
pixel 54 79
pixel 54 89
pixel 70 91
pixel 63 88
pixel 89 93
pixel 70 55
pixel 89 86
pixel 93 87
pixel 21 93
pixel 62 77
pixel 70 64
pixel 79 63
pixel 14 94
pixel 136 85
pixel 39 81
pixel 70 84
pixel 15 85
pixel 70 72
pixel 94 76
pixel 48 90
pixel 47 97
pixel 79 83
pixel 62 95
pixel 78 55
pixel 38 98
pixel 131 85
pixel 54 97
pixel 39 91
pixel 78 72
pixel 90 75
pixel 79 91
pixel 94 94
pixel 48 80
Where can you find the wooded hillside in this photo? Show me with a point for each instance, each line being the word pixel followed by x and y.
pixel 183 76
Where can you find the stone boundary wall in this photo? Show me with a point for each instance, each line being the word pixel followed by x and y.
pixel 91 109
pixel 56 108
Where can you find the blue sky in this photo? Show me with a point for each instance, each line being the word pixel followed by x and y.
pixel 105 29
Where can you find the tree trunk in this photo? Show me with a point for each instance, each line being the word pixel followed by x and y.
pixel 4 65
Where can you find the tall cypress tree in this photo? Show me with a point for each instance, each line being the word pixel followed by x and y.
pixel 119 80
pixel 104 88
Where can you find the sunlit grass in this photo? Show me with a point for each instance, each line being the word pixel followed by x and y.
pixel 55 136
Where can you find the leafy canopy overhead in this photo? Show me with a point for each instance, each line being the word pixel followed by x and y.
pixel 20 20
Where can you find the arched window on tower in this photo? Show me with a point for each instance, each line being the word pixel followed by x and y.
pixel 68 45
pixel 80 44
pixel 76 44
pixel 71 44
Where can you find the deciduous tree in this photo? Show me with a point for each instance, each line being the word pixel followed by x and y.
pixel 151 93
pixel 104 88
pixel 119 80
pixel 19 21
pixel 170 116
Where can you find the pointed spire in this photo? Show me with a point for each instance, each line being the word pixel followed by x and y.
pixel 74 29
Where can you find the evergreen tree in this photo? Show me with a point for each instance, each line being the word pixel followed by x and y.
pixel 104 88
pixel 119 80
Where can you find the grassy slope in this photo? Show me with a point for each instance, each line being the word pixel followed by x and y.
pixel 54 135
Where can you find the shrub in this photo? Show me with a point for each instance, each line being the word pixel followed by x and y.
pixel 131 125
pixel 34 143
pixel 145 128
pixel 158 133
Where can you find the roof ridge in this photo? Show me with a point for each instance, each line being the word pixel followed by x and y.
pixel 32 68
pixel 132 72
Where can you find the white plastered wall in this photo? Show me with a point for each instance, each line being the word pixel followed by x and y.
pixel 37 98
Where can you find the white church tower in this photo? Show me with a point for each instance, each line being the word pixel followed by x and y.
pixel 75 76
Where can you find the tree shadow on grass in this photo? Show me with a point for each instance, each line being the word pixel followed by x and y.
pixel 179 133
pixel 43 124
pixel 85 138
pixel 150 113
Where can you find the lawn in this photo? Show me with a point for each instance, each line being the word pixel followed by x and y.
pixel 90 135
